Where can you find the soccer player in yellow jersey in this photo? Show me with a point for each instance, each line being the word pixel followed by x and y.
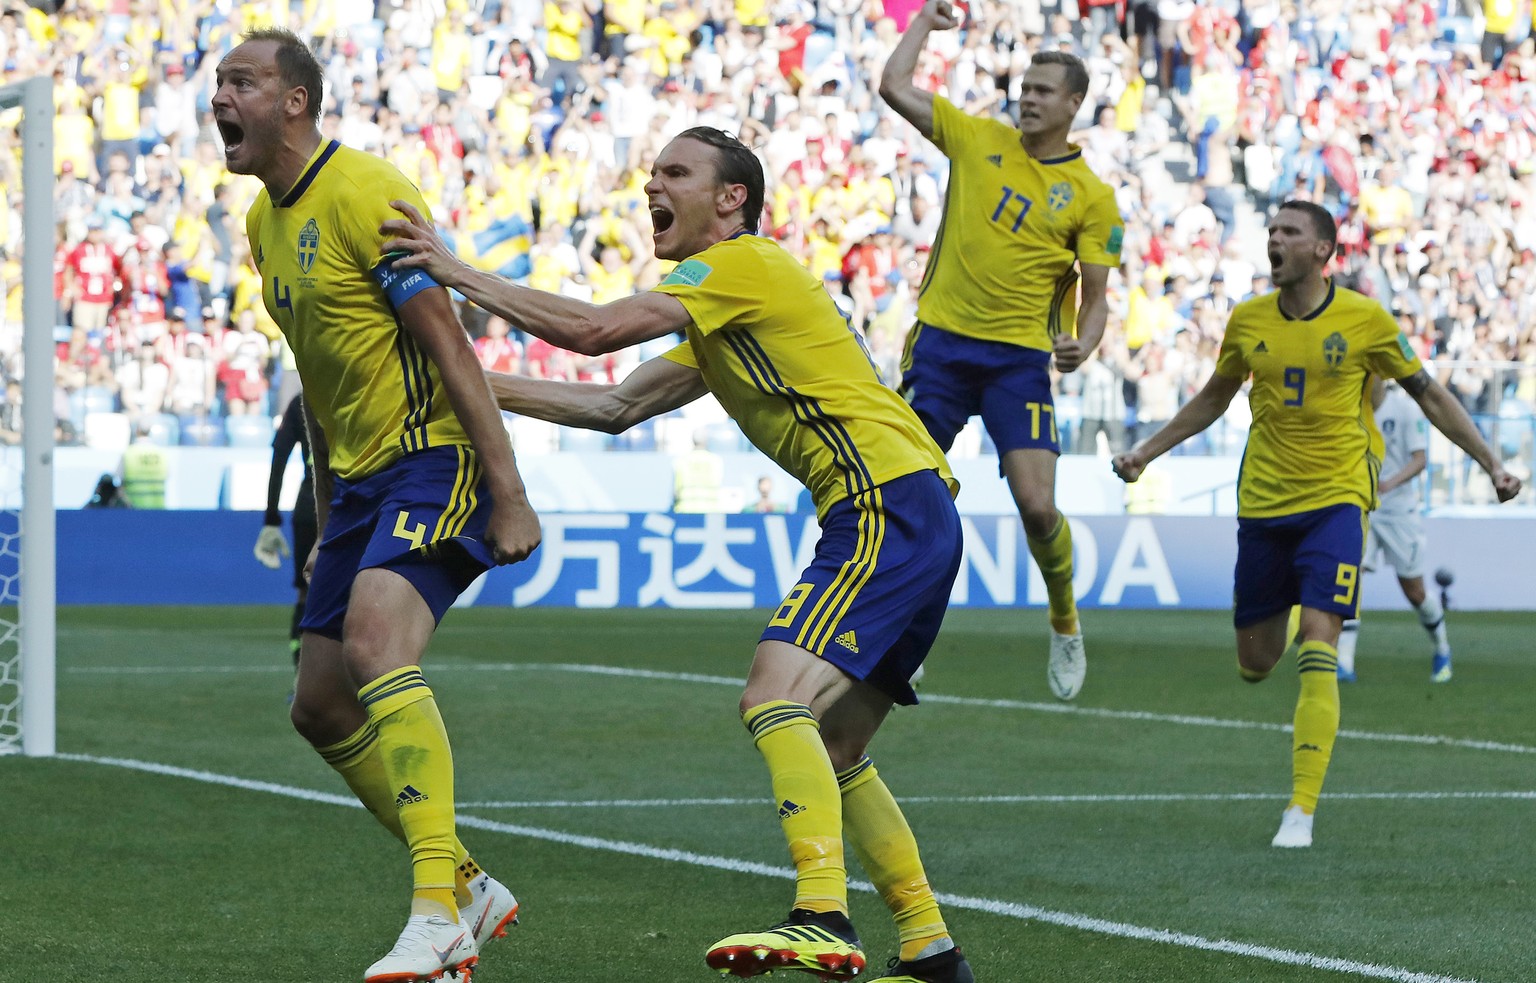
pixel 416 488
pixel 1025 223
pixel 765 337
pixel 1309 473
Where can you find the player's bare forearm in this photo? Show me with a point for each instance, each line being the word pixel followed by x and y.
pixel 1071 351
pixel 575 325
pixel 1202 410
pixel 1446 415
pixel 655 387
pixel 897 87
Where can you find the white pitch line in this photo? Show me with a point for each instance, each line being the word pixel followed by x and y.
pixel 1001 799
pixel 1430 740
pixel 1007 909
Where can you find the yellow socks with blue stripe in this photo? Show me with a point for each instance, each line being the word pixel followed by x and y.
pixel 810 808
pixel 418 767
pixel 360 763
pixel 1053 555
pixel 886 849
pixel 1316 723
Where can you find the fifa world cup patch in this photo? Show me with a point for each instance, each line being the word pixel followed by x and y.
pixel 690 271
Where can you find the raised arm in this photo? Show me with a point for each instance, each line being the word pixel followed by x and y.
pixel 429 319
pixel 1202 410
pixel 1448 417
pixel 575 325
pixel 897 87
pixel 657 386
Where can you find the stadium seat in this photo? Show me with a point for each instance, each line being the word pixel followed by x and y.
pixel 200 431
pixel 99 399
pixel 640 437
pixel 164 429
pixel 248 430
pixel 107 431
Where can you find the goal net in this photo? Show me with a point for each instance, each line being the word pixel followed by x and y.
pixel 27 584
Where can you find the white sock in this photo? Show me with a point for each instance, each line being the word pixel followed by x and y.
pixel 1432 617
pixel 1348 638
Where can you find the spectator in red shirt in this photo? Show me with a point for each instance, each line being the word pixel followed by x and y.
pixel 90 284
pixel 441 138
pixel 790 37
pixel 496 351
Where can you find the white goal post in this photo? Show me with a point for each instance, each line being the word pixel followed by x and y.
pixel 27 644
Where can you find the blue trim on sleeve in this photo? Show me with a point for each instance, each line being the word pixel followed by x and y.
pixel 401 285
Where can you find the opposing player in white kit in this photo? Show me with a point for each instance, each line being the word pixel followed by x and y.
pixel 1397 526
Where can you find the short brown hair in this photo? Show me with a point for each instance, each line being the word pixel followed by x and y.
pixel 1075 73
pixel 297 66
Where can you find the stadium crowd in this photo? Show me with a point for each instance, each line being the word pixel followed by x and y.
pixel 531 126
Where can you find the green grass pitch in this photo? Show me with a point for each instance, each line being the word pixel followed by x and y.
pixel 185 833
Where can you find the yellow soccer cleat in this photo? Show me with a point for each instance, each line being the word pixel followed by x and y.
pixel 824 945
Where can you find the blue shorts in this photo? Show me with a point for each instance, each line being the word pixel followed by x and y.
pixel 1310 558
pixel 949 378
pixel 873 598
pixel 424 517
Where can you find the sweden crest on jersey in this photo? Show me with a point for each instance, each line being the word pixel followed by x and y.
pixel 1334 350
pixel 309 245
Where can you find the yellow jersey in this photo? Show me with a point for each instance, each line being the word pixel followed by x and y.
pixel 1314 441
pixel 787 366
pixel 1004 262
pixel 374 392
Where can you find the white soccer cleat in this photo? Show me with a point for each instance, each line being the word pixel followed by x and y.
pixel 429 948
pixel 1068 665
pixel 492 911
pixel 1295 829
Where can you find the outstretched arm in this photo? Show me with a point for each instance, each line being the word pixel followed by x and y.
pixel 1203 409
pixel 1448 417
pixel 575 325
pixel 897 87
pixel 657 386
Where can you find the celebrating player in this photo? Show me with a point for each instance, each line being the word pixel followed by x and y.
pixel 764 336
pixel 416 488
pixel 1025 217
pixel 1309 470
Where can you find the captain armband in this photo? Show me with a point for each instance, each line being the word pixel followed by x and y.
pixel 400 285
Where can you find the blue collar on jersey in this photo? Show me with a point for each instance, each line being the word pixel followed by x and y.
pixel 1307 317
pixel 297 191
pixel 1064 158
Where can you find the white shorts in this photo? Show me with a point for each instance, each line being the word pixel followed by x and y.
pixel 1399 537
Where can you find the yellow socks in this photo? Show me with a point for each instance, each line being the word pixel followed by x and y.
pixel 810 809
pixel 418 767
pixel 886 849
pixel 1053 555
pixel 359 762
pixel 1316 723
